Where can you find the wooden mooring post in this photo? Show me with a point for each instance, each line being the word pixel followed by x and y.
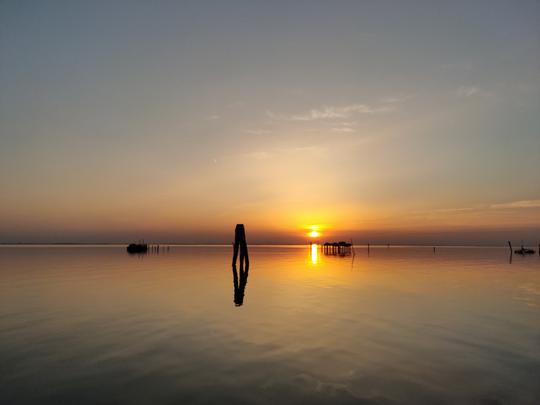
pixel 240 246
pixel 240 277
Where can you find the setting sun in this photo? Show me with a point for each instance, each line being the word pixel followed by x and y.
pixel 313 231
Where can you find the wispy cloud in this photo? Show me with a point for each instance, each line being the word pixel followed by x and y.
pixel 468 91
pixel 332 112
pixel 258 131
pixel 455 210
pixel 343 129
pixel 281 152
pixel 521 204
pixel 213 117
pixel 517 204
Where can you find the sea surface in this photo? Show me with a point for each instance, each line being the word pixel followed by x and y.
pixel 96 325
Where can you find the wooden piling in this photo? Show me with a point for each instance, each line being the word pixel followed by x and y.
pixel 240 280
pixel 240 246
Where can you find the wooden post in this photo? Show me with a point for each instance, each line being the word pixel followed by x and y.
pixel 510 246
pixel 240 281
pixel 240 245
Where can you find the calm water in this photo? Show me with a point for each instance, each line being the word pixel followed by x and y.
pixel 404 325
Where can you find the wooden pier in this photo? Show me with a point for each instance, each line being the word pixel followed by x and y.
pixel 337 248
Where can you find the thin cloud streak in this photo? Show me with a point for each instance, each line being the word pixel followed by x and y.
pixel 258 131
pixel 343 129
pixel 331 112
pixel 521 204
pixel 517 204
pixel 470 91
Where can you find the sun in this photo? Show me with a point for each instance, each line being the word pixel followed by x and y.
pixel 314 231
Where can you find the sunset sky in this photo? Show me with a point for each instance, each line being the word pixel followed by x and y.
pixel 399 121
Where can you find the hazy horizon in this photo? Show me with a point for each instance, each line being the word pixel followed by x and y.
pixel 399 237
pixel 376 121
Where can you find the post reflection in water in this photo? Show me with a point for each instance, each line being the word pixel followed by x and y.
pixel 240 281
pixel 314 253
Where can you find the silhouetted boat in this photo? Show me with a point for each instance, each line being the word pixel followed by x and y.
pixel 137 248
pixel 524 251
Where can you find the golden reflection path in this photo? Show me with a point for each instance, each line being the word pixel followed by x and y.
pixel 314 253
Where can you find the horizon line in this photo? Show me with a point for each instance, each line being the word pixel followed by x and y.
pixel 385 245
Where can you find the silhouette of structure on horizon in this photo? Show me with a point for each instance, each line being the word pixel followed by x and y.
pixel 240 278
pixel 145 248
pixel 523 251
pixel 337 248
pixel 137 248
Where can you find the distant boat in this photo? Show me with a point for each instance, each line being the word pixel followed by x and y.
pixel 524 251
pixel 137 248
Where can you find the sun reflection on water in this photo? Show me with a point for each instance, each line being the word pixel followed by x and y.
pixel 314 253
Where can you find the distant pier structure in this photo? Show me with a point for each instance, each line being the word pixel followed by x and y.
pixel 341 248
pixel 140 247
pixel 146 248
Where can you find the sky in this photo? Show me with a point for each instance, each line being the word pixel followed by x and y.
pixel 171 121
